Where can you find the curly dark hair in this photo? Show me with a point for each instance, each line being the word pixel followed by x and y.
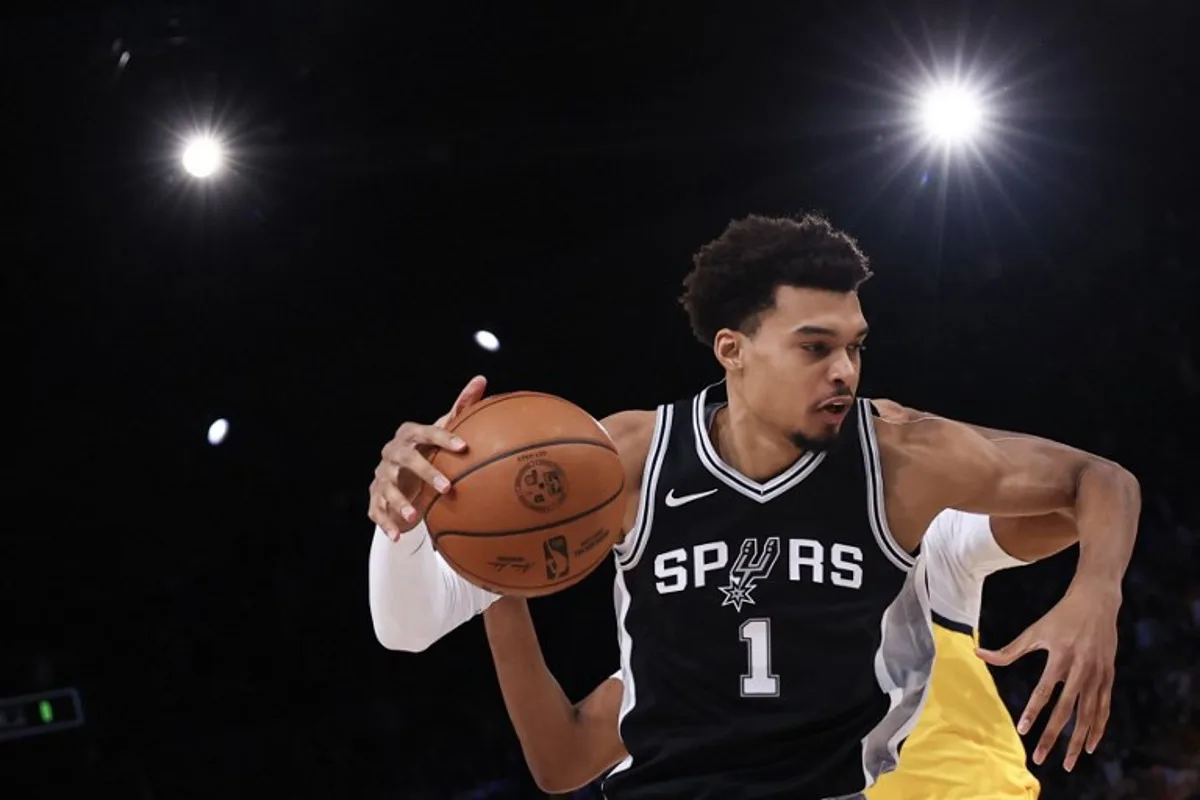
pixel 735 276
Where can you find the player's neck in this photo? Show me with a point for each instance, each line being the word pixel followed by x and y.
pixel 748 446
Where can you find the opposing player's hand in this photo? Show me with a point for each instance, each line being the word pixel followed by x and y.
pixel 1080 637
pixel 404 468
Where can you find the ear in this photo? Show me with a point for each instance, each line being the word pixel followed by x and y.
pixel 729 348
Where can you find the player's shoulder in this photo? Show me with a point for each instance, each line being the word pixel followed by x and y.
pixel 904 427
pixel 631 429
pixel 632 433
pixel 945 452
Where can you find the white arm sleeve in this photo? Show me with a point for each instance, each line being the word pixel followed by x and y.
pixel 960 552
pixel 416 597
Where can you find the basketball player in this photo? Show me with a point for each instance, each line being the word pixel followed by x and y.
pixel 965 745
pixel 801 675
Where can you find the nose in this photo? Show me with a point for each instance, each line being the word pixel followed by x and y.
pixel 843 369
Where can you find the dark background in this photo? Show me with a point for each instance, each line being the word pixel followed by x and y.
pixel 404 176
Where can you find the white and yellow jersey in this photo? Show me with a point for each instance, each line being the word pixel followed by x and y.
pixel 965 745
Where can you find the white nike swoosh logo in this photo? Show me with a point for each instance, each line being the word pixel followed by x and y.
pixel 675 502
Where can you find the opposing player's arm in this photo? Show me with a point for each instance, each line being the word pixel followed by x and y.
pixel 566 745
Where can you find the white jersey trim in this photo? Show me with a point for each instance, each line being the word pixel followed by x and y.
pixel 630 550
pixel 759 492
pixel 875 495
pixel 622 599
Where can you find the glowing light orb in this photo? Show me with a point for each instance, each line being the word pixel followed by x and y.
pixel 202 157
pixel 487 340
pixel 218 431
pixel 951 114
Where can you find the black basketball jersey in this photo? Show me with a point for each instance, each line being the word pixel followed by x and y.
pixel 775 639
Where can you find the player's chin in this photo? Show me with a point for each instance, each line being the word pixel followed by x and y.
pixel 818 437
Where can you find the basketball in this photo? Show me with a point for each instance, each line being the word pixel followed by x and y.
pixel 538 497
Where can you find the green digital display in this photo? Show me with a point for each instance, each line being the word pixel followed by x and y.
pixel 44 712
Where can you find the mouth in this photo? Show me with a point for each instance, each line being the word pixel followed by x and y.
pixel 835 408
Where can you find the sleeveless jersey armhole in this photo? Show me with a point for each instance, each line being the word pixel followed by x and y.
pixel 876 512
pixel 629 551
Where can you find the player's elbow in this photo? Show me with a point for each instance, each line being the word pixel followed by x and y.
pixel 565 759
pixel 1114 478
pixel 401 633
pixel 402 641
pixel 548 782
pixel 556 778
pixel 1128 483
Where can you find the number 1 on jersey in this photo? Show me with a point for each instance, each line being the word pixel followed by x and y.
pixel 758 681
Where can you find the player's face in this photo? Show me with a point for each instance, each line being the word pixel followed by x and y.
pixel 800 369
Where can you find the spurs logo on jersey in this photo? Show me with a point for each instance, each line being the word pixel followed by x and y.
pixel 808 561
pixel 747 570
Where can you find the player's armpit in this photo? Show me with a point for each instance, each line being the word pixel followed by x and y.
pixel 631 432
pixel 566 746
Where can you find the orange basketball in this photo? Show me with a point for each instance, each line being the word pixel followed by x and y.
pixel 538 497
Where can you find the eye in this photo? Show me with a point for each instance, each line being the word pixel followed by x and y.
pixel 858 347
pixel 816 348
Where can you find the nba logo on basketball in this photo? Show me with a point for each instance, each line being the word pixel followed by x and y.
pixel 558 559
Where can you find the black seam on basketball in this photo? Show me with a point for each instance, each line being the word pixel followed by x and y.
pixel 576 576
pixel 519 531
pixel 513 452
pixel 495 401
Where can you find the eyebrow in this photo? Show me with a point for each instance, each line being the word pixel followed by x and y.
pixel 818 330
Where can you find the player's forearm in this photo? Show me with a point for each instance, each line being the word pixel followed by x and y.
pixel 1102 498
pixel 1030 539
pixel 563 747
pixel 416 598
pixel 1108 503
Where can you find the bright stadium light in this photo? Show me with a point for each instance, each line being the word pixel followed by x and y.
pixel 951 114
pixel 487 340
pixel 202 156
pixel 218 431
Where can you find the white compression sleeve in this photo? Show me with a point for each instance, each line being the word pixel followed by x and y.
pixel 416 597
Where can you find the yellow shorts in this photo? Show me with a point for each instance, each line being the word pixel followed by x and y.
pixel 965 745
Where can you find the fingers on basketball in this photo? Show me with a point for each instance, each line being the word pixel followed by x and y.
pixel 537 502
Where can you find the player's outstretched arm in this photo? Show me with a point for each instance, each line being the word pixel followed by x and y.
pixel 566 745
pixel 934 463
pixel 1026 539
